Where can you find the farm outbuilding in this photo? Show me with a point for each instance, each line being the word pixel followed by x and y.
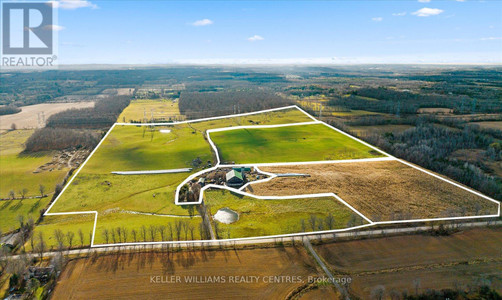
pixel 235 178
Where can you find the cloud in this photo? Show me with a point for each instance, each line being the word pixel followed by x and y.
pixel 377 19
pixel 203 22
pixel 427 12
pixel 491 38
pixel 424 1
pixel 255 38
pixel 53 27
pixel 399 14
pixel 72 4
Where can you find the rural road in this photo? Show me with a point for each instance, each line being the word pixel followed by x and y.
pixel 340 288
pixel 265 240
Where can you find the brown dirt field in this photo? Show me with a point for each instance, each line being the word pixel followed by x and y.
pixel 382 191
pixel 28 117
pixel 129 275
pixel 323 292
pixel 438 262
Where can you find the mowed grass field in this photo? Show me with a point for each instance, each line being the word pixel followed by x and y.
pixel 130 275
pixel 16 174
pixel 270 217
pixel 462 259
pixel 381 190
pixel 288 144
pixel 121 198
pixel 160 108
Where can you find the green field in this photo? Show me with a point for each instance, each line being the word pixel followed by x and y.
pixel 288 144
pixel 16 173
pixel 270 217
pixel 111 221
pixel 11 209
pixel 160 108
pixel 122 199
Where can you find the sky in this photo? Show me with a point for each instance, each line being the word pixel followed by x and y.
pixel 290 32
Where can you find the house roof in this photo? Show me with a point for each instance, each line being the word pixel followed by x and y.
pixel 233 174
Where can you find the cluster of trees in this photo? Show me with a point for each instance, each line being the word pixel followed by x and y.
pixel 199 105
pixel 431 146
pixel 9 110
pixel 104 113
pixel 315 223
pixel 180 230
pixel 61 138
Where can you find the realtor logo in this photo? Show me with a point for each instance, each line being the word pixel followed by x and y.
pixel 27 28
pixel 28 35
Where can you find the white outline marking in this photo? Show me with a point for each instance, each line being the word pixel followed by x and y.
pixel 315 121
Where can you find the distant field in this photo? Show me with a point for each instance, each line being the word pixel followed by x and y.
pixel 271 217
pixel 28 117
pixel 282 144
pixel 119 198
pixel 130 275
pixel 138 110
pixel 462 259
pixel 435 110
pixel 379 129
pixel 355 113
pixel 489 125
pixel 382 191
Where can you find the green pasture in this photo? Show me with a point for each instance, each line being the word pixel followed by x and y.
pixel 288 144
pixel 10 210
pixel 271 217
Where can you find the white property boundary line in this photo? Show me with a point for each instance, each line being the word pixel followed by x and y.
pixel 315 121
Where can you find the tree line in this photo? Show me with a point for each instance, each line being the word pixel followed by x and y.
pixel 61 138
pixel 209 104
pixel 103 115
pixel 9 110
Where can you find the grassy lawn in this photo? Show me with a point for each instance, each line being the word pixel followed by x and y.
pixel 288 144
pixel 11 209
pixel 141 193
pixel 270 217
pixel 139 148
pixel 161 108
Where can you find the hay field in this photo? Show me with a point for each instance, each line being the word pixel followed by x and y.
pixel 438 262
pixel 130 275
pixel 162 109
pixel 28 117
pixel 382 191
pixel 270 217
pixel 288 144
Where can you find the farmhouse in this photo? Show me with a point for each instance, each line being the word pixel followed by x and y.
pixel 235 178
